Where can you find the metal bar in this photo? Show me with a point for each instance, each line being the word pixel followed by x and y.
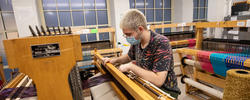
pixel 54 30
pixel 38 32
pixel 64 30
pixel 59 30
pixel 48 30
pixel 70 32
pixel 32 31
pixel 43 30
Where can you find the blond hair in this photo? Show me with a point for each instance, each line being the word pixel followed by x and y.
pixel 132 19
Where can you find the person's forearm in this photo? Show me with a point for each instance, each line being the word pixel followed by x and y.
pixel 122 59
pixel 156 78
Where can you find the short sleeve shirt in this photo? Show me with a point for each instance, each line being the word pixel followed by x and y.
pixel 156 57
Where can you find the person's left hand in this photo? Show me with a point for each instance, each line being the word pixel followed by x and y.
pixel 125 67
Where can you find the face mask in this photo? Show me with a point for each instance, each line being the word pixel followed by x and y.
pixel 132 40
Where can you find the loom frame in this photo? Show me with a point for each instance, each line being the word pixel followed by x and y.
pixel 206 76
pixel 136 90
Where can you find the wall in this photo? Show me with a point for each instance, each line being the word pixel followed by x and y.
pixel 118 7
pixel 187 11
pixel 217 10
pixel 26 13
pixel 182 11
pixel 178 11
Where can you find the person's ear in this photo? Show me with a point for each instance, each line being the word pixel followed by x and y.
pixel 140 28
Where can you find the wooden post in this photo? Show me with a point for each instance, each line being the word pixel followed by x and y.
pixel 184 73
pixel 152 28
pixel 113 40
pixel 2 71
pixel 199 38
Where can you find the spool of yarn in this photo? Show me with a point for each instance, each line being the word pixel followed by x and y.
pixel 237 85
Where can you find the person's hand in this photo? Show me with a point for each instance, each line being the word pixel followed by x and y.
pixel 108 60
pixel 125 67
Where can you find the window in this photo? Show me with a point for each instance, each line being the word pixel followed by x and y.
pixel 7 19
pixel 83 13
pixel 88 13
pixel 156 11
pixel 200 10
pixel 7 25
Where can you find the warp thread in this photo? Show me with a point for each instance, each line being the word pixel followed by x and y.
pixel 234 46
pixel 96 81
pixel 31 91
pixel 203 58
pixel 28 92
pixel 222 62
pixel 237 85
pixel 191 42
pixel 218 62
pixel 235 62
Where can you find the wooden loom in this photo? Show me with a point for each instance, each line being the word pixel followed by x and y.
pixel 135 89
pixel 21 54
pixel 201 75
pixel 71 44
pixel 127 82
pixel 67 41
pixel 112 51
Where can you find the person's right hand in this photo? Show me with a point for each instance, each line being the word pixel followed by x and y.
pixel 108 60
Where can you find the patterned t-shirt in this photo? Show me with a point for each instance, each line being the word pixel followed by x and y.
pixel 157 57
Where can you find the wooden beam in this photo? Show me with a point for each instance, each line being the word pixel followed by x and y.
pixel 239 23
pixel 247 1
pixel 187 51
pixel 180 42
pixel 13 83
pixel 113 39
pixel 211 79
pixel 99 67
pixel 153 27
pixel 199 38
pixel 107 51
pixel 115 88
